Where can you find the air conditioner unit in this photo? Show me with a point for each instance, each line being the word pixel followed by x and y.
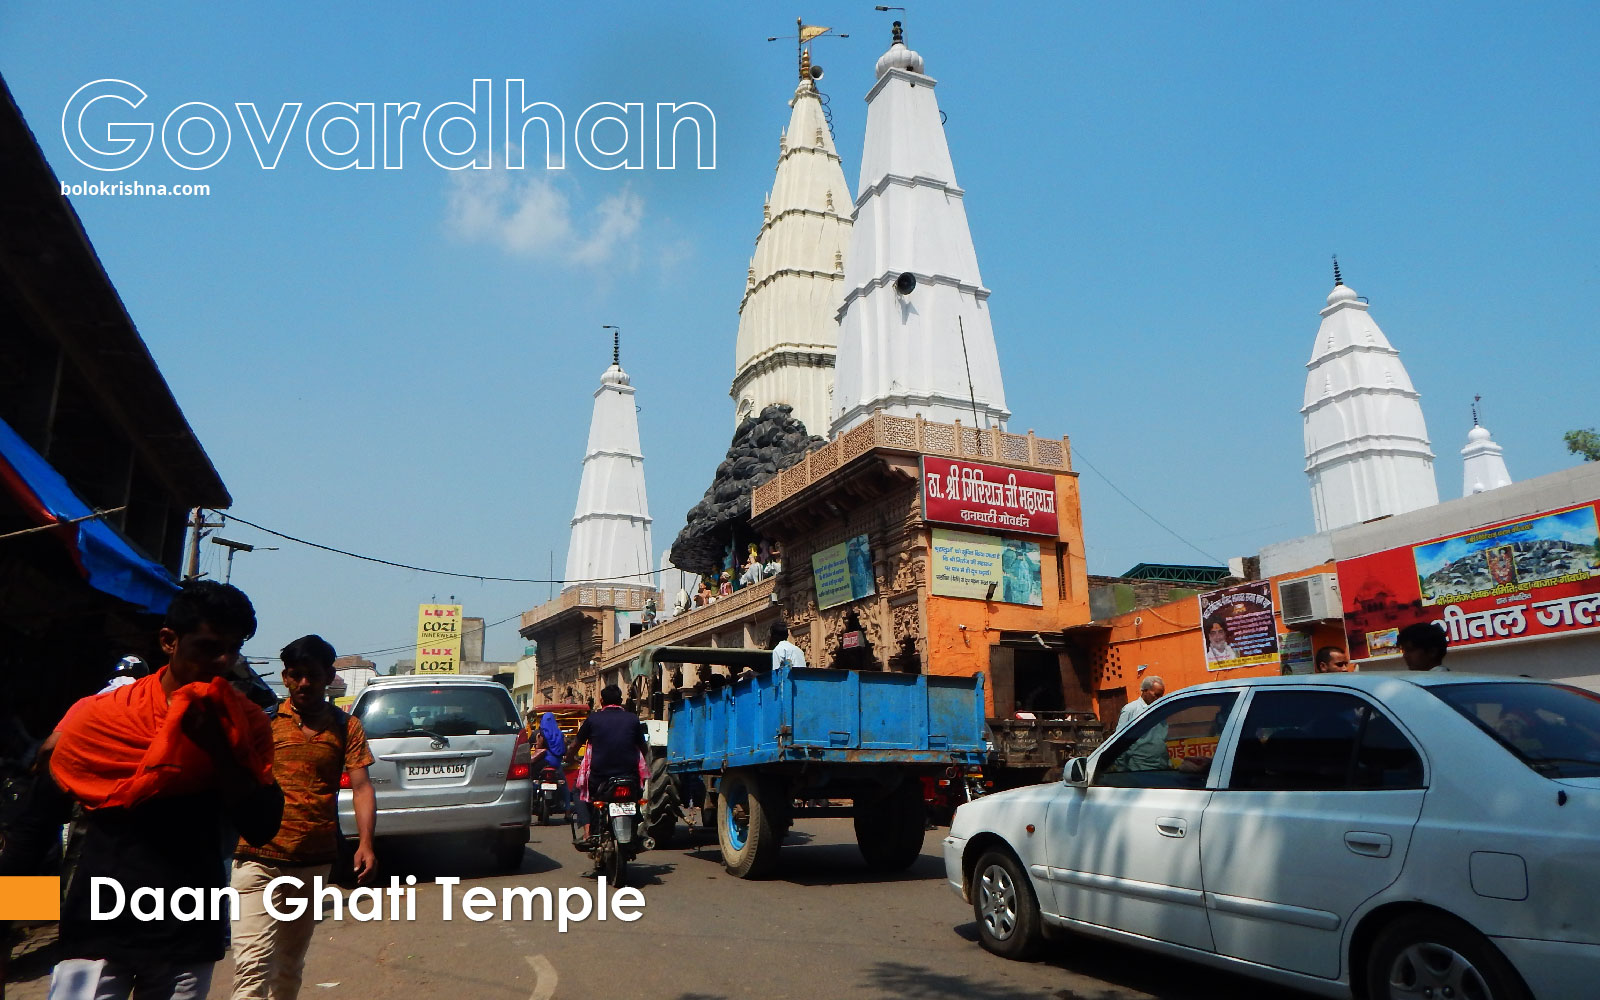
pixel 1310 599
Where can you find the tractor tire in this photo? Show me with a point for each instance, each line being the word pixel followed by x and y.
pixel 664 804
pixel 747 830
pixel 890 830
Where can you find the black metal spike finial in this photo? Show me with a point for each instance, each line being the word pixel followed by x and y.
pixel 1337 280
pixel 899 35
pixel 1475 410
pixel 616 347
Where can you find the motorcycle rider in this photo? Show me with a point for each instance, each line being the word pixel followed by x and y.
pixel 552 749
pixel 616 741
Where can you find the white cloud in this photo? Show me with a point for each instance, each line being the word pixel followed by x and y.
pixel 534 216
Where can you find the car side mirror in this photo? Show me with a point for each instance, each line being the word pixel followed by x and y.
pixel 1078 772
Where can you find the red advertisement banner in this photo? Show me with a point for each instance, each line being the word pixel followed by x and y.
pixel 974 495
pixel 1538 575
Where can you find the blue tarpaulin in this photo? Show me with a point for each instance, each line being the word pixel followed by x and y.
pixel 107 560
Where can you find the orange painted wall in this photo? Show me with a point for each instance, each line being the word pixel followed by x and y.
pixel 1166 641
pixel 957 651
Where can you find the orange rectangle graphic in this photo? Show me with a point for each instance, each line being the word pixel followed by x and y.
pixel 30 897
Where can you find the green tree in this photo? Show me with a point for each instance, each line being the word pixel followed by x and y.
pixel 1585 442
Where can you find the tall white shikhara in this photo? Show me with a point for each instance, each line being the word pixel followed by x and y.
pixel 788 331
pixel 1367 452
pixel 611 526
pixel 902 351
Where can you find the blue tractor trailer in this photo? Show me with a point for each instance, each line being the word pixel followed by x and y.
pixel 775 744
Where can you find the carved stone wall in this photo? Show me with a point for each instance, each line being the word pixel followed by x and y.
pixel 900 569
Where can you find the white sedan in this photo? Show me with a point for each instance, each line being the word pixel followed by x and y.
pixel 1384 835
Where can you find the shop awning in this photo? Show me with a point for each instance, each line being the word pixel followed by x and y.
pixel 106 559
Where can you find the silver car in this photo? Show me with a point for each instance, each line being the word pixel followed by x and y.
pixel 448 758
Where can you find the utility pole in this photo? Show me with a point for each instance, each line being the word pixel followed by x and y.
pixel 199 527
pixel 234 548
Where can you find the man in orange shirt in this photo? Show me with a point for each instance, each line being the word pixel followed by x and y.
pixel 313 744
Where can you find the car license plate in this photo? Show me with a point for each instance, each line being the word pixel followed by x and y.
pixel 435 770
pixel 549 787
pixel 624 808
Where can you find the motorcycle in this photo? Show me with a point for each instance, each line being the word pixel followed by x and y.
pixel 617 810
pixel 549 794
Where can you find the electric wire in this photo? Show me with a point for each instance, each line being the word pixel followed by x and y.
pixel 423 569
pixel 412 644
pixel 1077 452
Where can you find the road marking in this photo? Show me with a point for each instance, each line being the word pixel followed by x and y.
pixel 544 977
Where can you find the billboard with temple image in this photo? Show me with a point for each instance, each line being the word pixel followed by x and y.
pixel 1536 575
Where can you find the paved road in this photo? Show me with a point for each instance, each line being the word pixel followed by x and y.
pixel 825 926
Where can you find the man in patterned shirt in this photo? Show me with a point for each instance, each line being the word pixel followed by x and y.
pixel 313 744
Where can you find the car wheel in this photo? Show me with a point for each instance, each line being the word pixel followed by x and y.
pixel 508 855
pixel 1431 955
pixel 1005 907
pixel 344 870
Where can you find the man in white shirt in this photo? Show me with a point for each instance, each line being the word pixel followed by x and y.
pixel 784 652
pixel 1150 689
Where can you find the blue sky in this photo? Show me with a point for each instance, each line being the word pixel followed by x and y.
pixel 1154 192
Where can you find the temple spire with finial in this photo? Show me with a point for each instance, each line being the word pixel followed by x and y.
pixel 1367 450
pixel 1483 462
pixel 787 337
pixel 610 541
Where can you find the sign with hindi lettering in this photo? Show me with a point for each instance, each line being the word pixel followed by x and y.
pixel 438 638
pixel 1237 626
pixel 1537 575
pixel 974 495
pixel 843 572
pixel 985 566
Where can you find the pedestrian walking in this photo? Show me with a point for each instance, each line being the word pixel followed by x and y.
pixel 1150 689
pixel 314 744
pixel 170 770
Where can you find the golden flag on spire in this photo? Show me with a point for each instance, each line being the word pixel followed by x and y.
pixel 810 31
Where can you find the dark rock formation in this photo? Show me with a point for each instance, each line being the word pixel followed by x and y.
pixel 761 447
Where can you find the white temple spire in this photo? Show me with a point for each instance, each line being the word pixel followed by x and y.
pixel 788 332
pixel 1483 463
pixel 1367 452
pixel 914 304
pixel 611 526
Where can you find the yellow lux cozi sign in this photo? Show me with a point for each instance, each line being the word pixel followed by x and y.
pixel 439 639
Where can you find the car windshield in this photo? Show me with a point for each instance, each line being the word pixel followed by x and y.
pixel 1553 728
pixel 437 711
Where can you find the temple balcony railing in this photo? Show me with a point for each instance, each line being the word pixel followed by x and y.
pixel 682 630
pixel 619 597
pixel 917 436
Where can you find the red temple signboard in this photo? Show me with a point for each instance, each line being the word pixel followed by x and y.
pixel 974 495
